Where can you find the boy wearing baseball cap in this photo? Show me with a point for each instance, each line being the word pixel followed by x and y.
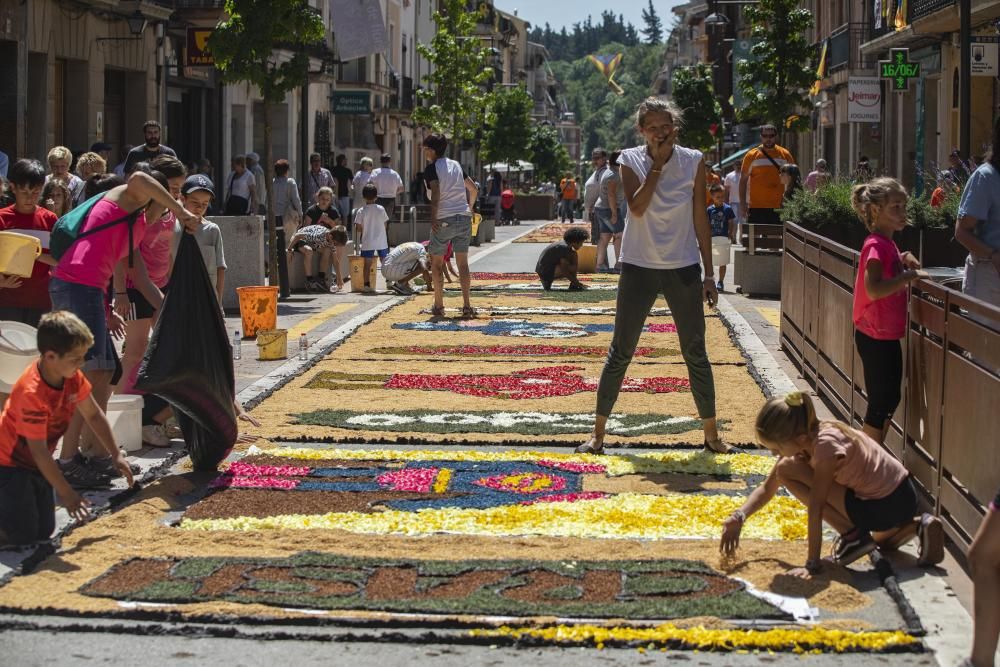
pixel 197 193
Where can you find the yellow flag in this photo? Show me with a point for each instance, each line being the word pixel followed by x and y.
pixel 820 71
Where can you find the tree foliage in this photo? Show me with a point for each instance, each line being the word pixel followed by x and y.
pixel 695 95
pixel 245 46
pixel 607 119
pixel 508 126
pixel 776 80
pixel 653 30
pixel 586 38
pixel 549 156
pixel 455 91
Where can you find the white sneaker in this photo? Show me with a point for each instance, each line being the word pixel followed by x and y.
pixel 155 435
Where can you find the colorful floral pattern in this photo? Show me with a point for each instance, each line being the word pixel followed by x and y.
pixel 417 480
pixel 527 384
pixel 698 462
pixel 621 516
pixel 524 328
pixel 525 482
pixel 517 351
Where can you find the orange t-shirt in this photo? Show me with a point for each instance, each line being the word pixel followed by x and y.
pixel 568 187
pixel 765 189
pixel 36 410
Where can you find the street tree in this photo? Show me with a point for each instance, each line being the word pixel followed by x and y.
pixel 776 81
pixel 695 95
pixel 653 32
pixel 507 137
pixel 455 94
pixel 549 156
pixel 263 43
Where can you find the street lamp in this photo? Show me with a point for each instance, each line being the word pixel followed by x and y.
pixel 136 26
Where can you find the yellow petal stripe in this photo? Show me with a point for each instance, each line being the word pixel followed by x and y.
pixel 799 640
pixel 623 516
pixel 441 481
pixel 692 462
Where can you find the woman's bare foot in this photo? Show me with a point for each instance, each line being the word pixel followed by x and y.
pixel 893 539
pixel 594 445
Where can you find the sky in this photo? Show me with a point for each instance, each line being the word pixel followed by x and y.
pixel 560 13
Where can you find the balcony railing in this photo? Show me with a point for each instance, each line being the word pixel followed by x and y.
pixel 918 9
pixel 845 48
pixel 192 4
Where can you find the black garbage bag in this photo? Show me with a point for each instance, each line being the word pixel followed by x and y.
pixel 189 362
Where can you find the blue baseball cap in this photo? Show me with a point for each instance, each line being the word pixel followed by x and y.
pixel 196 182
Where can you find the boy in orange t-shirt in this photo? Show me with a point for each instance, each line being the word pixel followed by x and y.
pixel 36 415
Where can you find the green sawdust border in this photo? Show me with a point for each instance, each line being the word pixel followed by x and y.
pixel 737 604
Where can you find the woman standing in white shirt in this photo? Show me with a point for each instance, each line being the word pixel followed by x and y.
pixel 666 229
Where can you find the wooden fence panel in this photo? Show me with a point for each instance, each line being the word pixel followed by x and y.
pixel 945 430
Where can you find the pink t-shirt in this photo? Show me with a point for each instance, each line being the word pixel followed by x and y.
pixel 91 260
pixel 862 465
pixel 155 249
pixel 885 318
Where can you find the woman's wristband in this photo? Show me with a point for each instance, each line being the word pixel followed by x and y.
pixel 740 516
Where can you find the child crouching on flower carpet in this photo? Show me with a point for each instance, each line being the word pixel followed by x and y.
pixel 559 260
pixel 845 478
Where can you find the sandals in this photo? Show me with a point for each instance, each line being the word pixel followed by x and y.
pixel 437 311
pixel 592 446
pixel 468 313
pixel 717 446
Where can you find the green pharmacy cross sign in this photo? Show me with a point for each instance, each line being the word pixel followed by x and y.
pixel 899 70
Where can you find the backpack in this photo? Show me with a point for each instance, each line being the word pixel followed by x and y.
pixel 67 229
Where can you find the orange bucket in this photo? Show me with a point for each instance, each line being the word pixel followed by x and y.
pixel 258 309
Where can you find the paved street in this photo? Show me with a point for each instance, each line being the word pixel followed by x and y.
pixel 940 596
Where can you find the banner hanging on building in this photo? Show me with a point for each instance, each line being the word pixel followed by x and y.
pixel 864 99
pixel 197 47
pixel 358 28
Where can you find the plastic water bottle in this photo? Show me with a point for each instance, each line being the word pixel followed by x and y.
pixel 303 348
pixel 237 345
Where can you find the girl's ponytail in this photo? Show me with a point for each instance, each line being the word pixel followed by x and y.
pixel 874 193
pixel 784 418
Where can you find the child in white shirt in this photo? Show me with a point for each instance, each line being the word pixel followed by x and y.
pixel 371 219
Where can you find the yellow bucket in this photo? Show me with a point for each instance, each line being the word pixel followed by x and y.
pixel 272 344
pixel 358 273
pixel 586 259
pixel 476 219
pixel 258 309
pixel 18 253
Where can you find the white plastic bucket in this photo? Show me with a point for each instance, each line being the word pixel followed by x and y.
pixel 18 253
pixel 721 247
pixel 125 417
pixel 17 351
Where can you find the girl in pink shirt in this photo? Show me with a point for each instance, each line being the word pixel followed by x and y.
pixel 845 478
pixel 880 294
pixel 79 283
pixel 155 250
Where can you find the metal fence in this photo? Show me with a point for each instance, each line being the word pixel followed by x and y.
pixel 946 428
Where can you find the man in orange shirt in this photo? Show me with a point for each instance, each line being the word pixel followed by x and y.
pixel 760 183
pixel 567 197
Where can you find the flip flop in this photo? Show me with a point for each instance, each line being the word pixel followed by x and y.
pixel 437 311
pixel 717 446
pixel 590 447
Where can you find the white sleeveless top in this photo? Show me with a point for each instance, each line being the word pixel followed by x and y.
pixel 663 237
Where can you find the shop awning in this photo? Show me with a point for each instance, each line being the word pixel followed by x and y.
pixel 738 155
pixel 503 167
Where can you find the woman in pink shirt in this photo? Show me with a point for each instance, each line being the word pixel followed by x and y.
pixel 78 284
pixel 155 251
pixel 845 478
pixel 880 294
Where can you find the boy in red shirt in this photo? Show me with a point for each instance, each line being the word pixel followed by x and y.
pixel 36 415
pixel 26 299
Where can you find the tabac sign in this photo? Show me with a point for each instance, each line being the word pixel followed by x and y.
pixel 197 47
pixel 899 70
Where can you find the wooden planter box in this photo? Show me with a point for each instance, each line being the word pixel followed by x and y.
pixel 934 247
pixel 535 207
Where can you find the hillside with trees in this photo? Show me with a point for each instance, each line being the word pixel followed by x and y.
pixel 606 119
